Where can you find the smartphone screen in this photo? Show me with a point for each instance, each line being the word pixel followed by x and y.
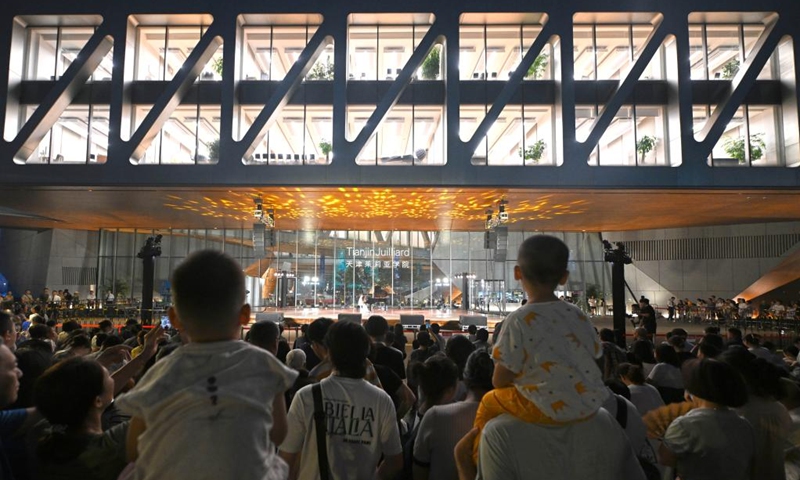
pixel 165 322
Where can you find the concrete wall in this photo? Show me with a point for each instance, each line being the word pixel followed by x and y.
pixel 33 260
pixel 24 258
pixel 693 278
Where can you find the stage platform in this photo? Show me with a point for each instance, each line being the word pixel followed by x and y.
pixel 441 317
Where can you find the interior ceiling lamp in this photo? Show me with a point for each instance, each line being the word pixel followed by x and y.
pixel 501 218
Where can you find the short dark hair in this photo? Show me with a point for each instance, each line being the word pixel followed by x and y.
pixel 39 332
pixel 435 328
pixel 6 322
pixel 752 339
pixel 666 354
pixel 264 334
pixel 376 326
pixel 318 329
pixel 424 339
pixel 735 332
pixel 472 329
pixel 479 370
pixel 65 392
pixel 458 349
pixel 676 341
pixel 105 323
pixel 482 335
pixel 70 326
pixel 434 377
pixel 208 288
pixel 543 259
pixel 634 373
pixel 714 340
pixel 78 341
pixel 618 388
pixel 607 335
pixel 709 350
pixel 111 341
pixel 792 350
pixel 715 381
pixel 348 347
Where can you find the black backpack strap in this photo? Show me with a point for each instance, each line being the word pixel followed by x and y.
pixel 319 422
pixel 622 412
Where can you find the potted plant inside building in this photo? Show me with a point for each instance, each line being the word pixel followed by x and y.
pixel 431 65
pixel 538 67
pixel 645 145
pixel 325 147
pixel 534 152
pixel 321 70
pixel 213 150
pixel 730 69
pixel 736 149
pixel 216 65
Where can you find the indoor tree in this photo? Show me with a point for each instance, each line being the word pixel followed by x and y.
pixel 533 152
pixel 645 145
pixel 735 147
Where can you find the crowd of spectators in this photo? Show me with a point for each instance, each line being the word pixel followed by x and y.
pixel 347 401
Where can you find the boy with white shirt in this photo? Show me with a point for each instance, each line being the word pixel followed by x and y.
pixel 214 408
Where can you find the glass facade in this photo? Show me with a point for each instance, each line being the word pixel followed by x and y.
pixel 401 269
pixel 414 130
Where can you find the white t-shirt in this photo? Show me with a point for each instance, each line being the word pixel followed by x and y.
pixel 666 375
pixel 597 448
pixel 552 347
pixel 645 397
pixel 208 410
pixel 360 423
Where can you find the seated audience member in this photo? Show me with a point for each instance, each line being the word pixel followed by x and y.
pixel 753 344
pixel 458 349
pixel 643 395
pixel 296 360
pixel 678 344
pixel 215 387
pixel 8 330
pixel 13 423
pixel 303 343
pixel 264 335
pixel 419 355
pixel 283 345
pixel 74 346
pixel 444 425
pixel 66 329
pixel 769 419
pixel 642 351
pixel 734 338
pixel 438 340
pixel 482 340
pixel 317 332
pixel 707 350
pixel 33 358
pixel 612 354
pixel 666 375
pixel 790 354
pixel 472 331
pixel 711 441
pixel 72 396
pixel 385 355
pixel 358 418
pixel 105 328
pixel 400 339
